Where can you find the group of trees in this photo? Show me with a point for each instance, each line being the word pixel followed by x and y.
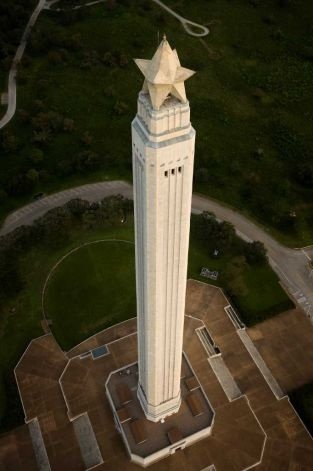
pixel 45 125
pixel 221 237
pixel 14 15
pixel 53 230
pixel 297 153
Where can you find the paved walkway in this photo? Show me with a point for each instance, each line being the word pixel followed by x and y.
pixel 76 7
pixel 285 344
pixel 190 27
pixel 291 265
pixel 17 58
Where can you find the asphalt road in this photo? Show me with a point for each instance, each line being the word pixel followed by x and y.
pixel 291 265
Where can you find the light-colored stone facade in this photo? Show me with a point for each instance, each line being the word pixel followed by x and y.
pixel 163 155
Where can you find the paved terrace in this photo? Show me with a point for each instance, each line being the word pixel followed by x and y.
pixel 37 375
pixel 255 428
pixel 16 450
pixel 105 336
pixel 83 387
pixel 286 344
pixel 288 446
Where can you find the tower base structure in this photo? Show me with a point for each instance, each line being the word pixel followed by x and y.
pixel 161 411
pixel 147 438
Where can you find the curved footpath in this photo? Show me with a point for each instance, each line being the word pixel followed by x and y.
pixel 291 265
pixel 189 26
pixel 46 5
pixel 17 58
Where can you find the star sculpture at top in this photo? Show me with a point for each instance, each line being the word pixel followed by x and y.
pixel 164 75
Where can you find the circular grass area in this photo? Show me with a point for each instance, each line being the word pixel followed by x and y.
pixel 91 289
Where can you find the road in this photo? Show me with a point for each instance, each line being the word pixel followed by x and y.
pixel 17 58
pixel 291 265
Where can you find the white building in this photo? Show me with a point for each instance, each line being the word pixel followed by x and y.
pixel 163 143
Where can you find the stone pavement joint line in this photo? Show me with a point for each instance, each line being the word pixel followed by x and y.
pixel 255 430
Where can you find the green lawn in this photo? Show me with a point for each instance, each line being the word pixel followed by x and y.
pixel 252 92
pixel 264 298
pixel 93 288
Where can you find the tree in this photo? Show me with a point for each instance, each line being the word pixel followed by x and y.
pixel 78 206
pixel 24 116
pixel 9 142
pixel 33 176
pixel 284 3
pixel 41 137
pixel 86 160
pixel 221 234
pixel 86 139
pixel 225 235
pixel 111 4
pixel 304 174
pixel 3 195
pixel 19 185
pixel 255 252
pixel 109 59
pixel 120 108
pixel 53 227
pixel 36 155
pixel 55 58
pixel 123 60
pixel 65 167
pixel 48 122
pixel 68 125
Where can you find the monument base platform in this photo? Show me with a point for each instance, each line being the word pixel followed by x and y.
pixel 149 441
pixel 67 407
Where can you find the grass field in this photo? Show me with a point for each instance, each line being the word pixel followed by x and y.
pixel 264 298
pixel 91 289
pixel 250 101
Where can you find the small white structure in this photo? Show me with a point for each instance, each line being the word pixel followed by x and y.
pixel 163 143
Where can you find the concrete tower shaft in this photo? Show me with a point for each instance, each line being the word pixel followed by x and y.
pixel 163 154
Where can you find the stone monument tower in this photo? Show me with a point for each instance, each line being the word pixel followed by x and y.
pixel 163 143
